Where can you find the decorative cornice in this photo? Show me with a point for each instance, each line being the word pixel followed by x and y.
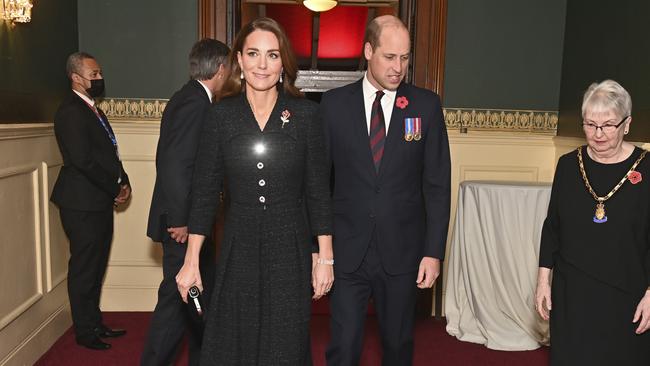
pixel 502 120
pixel 500 138
pixel 511 120
pixel 133 109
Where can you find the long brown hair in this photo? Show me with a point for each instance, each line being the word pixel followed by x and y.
pixel 235 85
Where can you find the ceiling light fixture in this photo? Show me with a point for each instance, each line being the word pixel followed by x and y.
pixel 17 11
pixel 319 5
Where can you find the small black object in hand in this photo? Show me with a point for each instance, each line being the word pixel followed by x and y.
pixel 195 301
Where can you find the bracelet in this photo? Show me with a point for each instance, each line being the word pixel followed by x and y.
pixel 329 262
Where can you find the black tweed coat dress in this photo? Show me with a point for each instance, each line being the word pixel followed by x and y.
pixel 278 188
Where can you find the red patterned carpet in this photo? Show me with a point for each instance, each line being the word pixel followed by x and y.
pixel 433 346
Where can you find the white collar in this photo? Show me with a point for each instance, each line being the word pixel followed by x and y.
pixel 206 90
pixel 369 90
pixel 89 101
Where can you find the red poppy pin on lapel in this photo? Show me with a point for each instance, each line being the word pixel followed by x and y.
pixel 634 177
pixel 401 102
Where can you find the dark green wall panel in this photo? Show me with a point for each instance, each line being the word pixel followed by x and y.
pixel 142 45
pixel 606 40
pixel 32 61
pixel 504 54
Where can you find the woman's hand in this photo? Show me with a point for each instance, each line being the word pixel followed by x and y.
pixel 188 276
pixel 643 313
pixel 543 302
pixel 322 277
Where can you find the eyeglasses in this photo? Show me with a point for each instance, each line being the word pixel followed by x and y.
pixel 606 128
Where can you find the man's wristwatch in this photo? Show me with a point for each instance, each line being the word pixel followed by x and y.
pixel 329 262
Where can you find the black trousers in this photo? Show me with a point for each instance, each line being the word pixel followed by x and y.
pixel 394 300
pixel 171 317
pixel 90 235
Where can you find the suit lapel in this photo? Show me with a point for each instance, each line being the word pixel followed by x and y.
pixel 360 125
pixel 103 115
pixel 85 107
pixel 91 118
pixel 395 132
pixel 276 123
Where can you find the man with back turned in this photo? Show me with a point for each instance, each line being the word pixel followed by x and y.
pixel 180 130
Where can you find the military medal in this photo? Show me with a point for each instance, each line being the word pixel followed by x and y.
pixel 418 128
pixel 599 215
pixel 408 129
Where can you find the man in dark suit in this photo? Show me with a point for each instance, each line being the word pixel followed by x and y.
pixel 92 181
pixel 180 130
pixel 389 149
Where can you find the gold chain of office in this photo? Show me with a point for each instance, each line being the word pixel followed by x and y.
pixel 600 201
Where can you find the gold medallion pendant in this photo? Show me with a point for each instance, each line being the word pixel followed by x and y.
pixel 599 216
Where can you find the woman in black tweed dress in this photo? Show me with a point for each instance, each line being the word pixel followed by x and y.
pixel 267 143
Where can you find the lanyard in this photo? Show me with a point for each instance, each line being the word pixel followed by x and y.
pixel 108 131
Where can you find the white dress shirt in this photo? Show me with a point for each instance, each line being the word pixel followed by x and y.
pixel 89 101
pixel 387 101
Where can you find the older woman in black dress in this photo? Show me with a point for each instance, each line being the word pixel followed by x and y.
pixel 596 239
pixel 267 143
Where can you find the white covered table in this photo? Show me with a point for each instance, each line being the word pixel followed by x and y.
pixel 492 265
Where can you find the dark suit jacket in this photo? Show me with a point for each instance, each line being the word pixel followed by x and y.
pixel 88 180
pixel 180 131
pixel 407 202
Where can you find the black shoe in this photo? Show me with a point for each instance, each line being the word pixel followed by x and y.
pixel 93 343
pixel 106 332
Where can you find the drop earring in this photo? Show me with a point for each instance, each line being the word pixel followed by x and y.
pixel 241 76
pixel 281 73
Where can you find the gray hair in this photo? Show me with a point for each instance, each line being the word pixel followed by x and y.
pixel 74 62
pixel 607 96
pixel 205 58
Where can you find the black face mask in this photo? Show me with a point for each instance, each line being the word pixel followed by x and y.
pixel 96 88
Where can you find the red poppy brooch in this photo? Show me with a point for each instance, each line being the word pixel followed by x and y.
pixel 634 177
pixel 401 102
pixel 285 117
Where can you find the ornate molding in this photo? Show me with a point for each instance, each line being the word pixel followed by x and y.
pixel 502 120
pixel 507 139
pixel 510 120
pixel 133 109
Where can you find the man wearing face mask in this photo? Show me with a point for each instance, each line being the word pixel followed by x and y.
pixel 91 182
